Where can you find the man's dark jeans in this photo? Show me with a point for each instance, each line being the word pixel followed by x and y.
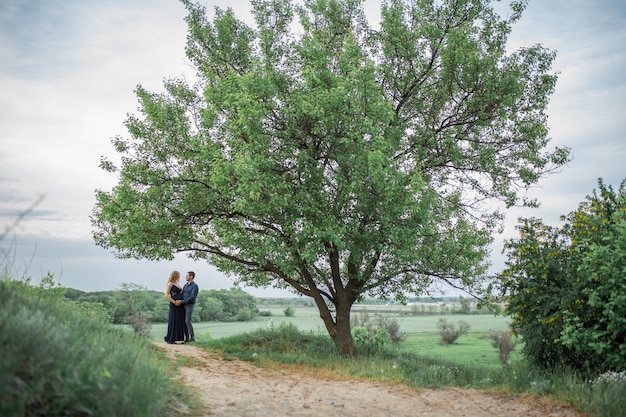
pixel 189 335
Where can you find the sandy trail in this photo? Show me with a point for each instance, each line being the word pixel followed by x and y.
pixel 237 388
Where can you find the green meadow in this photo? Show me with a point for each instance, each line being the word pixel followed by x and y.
pixel 308 319
pixel 421 336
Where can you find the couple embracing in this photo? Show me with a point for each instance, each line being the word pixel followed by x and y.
pixel 182 300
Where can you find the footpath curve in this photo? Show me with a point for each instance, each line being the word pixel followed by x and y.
pixel 237 388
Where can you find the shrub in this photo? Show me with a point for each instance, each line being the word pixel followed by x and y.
pixel 449 332
pixel 371 344
pixel 380 321
pixel 503 341
pixel 289 311
pixel 607 394
pixel 140 324
pixel 244 314
pixel 565 287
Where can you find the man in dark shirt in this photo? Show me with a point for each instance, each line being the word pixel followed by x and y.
pixel 190 292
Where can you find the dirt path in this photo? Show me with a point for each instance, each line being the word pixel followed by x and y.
pixel 238 388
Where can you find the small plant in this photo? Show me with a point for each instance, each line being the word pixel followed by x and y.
pixel 450 332
pixel 140 324
pixel 504 342
pixel 289 311
pixel 379 322
pixel 371 344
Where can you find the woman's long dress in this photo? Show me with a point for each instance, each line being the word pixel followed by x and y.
pixel 176 318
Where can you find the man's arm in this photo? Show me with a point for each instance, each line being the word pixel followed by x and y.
pixel 194 293
pixel 190 297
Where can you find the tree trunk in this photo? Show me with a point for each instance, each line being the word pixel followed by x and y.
pixel 343 336
pixel 338 327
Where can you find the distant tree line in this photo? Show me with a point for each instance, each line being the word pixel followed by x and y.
pixel 131 300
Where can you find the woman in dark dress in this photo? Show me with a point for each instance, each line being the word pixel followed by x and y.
pixel 176 316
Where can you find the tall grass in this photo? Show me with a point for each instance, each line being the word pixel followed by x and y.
pixel 57 362
pixel 286 346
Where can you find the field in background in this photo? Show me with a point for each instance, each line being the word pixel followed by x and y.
pixel 308 319
pixel 421 331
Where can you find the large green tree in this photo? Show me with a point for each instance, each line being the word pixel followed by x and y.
pixel 566 287
pixel 320 154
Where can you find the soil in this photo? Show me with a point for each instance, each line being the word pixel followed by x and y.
pixel 236 388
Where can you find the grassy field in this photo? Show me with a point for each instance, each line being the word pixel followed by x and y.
pixel 308 319
pixel 305 318
pixel 421 331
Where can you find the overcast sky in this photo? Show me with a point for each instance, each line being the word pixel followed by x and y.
pixel 68 70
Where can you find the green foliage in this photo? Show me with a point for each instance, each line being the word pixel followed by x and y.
pixel 226 305
pixel 161 308
pixel 131 302
pixel 566 287
pixel 95 309
pixel 371 343
pixel 341 161
pixel 211 308
pixel 49 288
pixel 289 311
pixel 56 361
pixel 134 303
pixel 379 322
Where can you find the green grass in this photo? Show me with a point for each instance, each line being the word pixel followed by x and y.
pixel 473 348
pixel 56 361
pixel 484 323
pixel 308 319
pixel 420 360
pixel 286 346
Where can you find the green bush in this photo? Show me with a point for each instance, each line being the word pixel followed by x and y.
pixel 245 314
pixel 371 343
pixel 226 305
pixel 56 361
pixel 565 287
pixel 379 322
